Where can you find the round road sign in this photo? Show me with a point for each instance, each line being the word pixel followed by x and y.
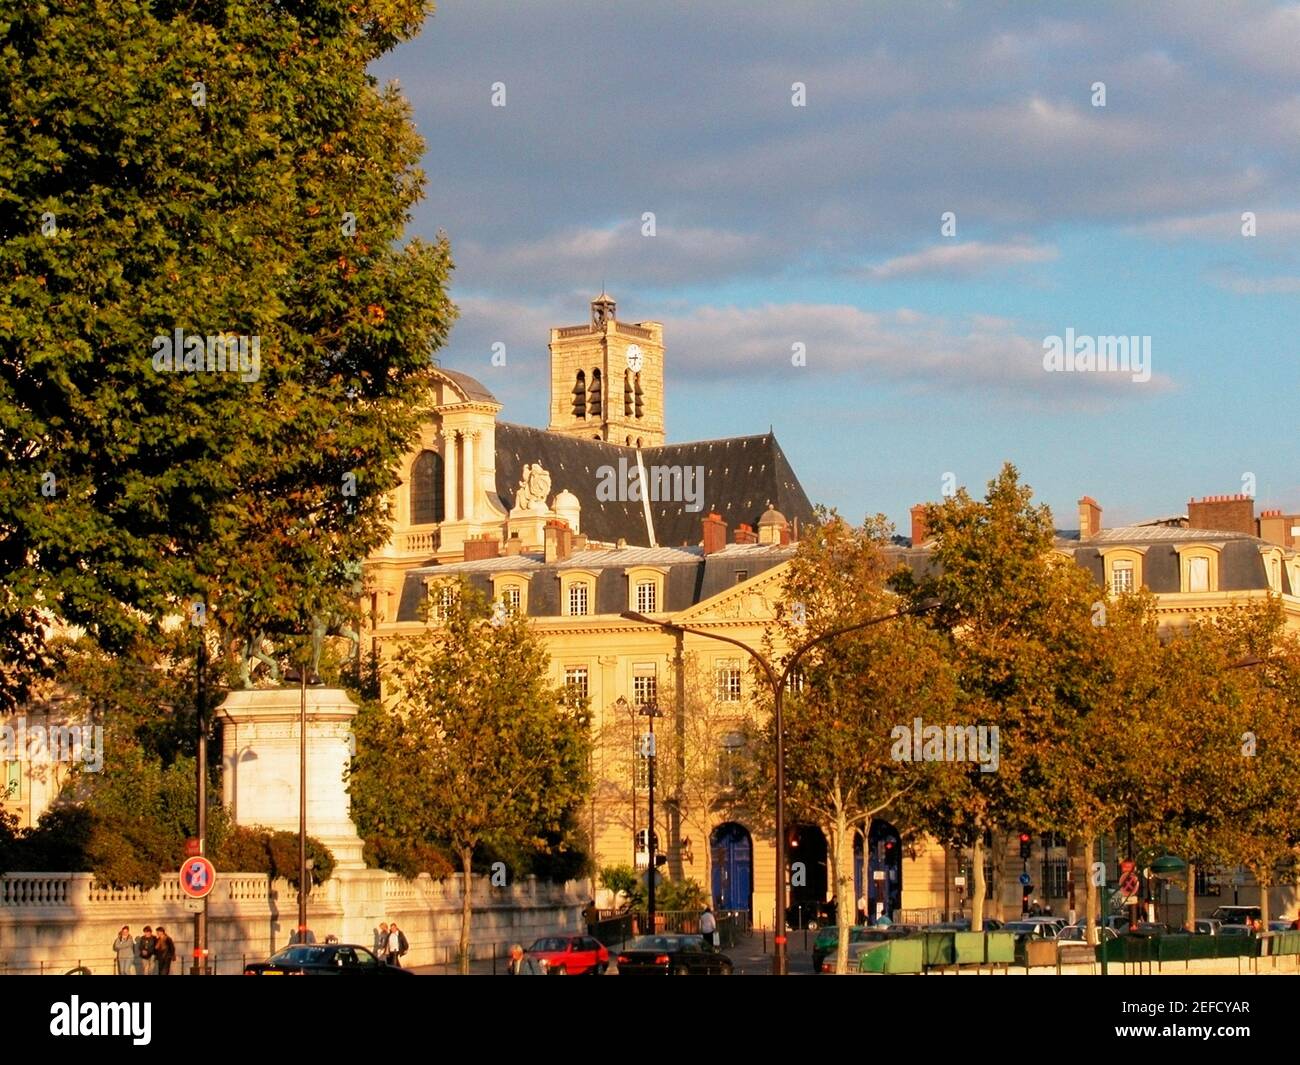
pixel 197 877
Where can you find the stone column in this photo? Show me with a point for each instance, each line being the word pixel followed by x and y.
pixel 260 751
pixel 448 474
pixel 471 491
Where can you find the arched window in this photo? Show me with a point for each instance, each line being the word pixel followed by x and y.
pixel 627 393
pixel 580 396
pixel 426 489
pixel 593 395
pixel 636 389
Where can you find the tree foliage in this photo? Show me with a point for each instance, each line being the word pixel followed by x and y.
pixel 224 170
pixel 473 746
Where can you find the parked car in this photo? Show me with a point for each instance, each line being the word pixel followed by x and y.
pixel 1033 928
pixel 1235 930
pixel 1279 926
pixel 1236 915
pixel 856 950
pixel 827 941
pixel 1078 933
pixel 324 959
pixel 991 924
pixel 570 955
pixel 676 955
pixel 1208 926
pixel 857 936
pixel 1026 930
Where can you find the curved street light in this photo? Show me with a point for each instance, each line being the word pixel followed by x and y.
pixel 779 682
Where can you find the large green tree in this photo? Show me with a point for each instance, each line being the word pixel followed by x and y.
pixel 474 746
pixel 223 169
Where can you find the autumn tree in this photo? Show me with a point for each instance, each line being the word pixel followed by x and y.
pixel 474 747
pixel 853 691
pixel 1018 615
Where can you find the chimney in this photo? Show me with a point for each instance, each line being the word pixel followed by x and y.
pixel 1279 528
pixel 1235 513
pixel 579 541
pixel 919 532
pixel 715 533
pixel 479 547
pixel 1089 518
pixel 514 546
pixel 744 534
pixel 559 541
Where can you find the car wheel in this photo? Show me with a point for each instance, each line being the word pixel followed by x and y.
pixel 726 970
pixel 560 970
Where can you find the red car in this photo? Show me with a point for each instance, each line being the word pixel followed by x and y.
pixel 571 955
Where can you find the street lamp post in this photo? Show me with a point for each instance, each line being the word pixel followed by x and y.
pixel 651 711
pixel 779 683
pixel 302 676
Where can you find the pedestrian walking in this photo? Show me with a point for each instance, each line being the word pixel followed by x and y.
pixel 516 959
pixel 165 951
pixel 148 964
pixel 124 951
pixel 395 940
pixel 709 927
pixel 381 940
pixel 591 916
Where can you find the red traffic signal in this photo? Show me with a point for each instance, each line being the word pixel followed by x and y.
pixel 1026 844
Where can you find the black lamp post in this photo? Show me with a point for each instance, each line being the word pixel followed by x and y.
pixel 303 676
pixel 778 683
pixel 650 710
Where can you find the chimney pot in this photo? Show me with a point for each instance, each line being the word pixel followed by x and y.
pixel 715 533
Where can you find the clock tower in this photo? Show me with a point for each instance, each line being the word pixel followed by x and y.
pixel 607 379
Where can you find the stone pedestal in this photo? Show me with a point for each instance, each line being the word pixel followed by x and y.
pixel 260 750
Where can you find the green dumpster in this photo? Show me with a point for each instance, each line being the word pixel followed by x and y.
pixel 896 956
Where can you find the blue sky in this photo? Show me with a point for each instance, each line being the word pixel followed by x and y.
pixel 821 225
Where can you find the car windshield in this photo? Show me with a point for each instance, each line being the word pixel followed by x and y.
pixel 304 955
pixel 664 943
pixel 1020 926
pixel 551 945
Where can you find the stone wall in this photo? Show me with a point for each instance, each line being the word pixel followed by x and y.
pixel 53 922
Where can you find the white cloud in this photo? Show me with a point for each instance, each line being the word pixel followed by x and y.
pixel 962 260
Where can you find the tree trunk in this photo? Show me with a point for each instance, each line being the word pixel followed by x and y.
pixel 1263 911
pixel 845 902
pixel 979 885
pixel 1093 903
pixel 1189 918
pixel 466 911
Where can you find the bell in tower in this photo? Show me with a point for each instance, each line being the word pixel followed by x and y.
pixel 602 310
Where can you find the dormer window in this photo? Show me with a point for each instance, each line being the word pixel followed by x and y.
pixel 1198 567
pixel 645 588
pixel 579 599
pixel 647 597
pixel 1121 577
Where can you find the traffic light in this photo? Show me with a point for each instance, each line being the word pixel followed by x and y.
pixel 1026 845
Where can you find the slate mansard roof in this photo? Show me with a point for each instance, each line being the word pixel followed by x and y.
pixel 692 576
pixel 741 476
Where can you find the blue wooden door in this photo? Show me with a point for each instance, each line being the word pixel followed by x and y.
pixel 733 868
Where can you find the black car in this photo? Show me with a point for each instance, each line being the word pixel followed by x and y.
pixel 324 959
pixel 672 956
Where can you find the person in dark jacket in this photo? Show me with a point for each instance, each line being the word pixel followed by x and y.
pixel 165 951
pixel 148 964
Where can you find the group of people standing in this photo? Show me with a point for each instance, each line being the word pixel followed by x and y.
pixel 390 943
pixel 152 954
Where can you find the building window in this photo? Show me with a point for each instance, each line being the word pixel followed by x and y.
pixel 728 678
pixel 512 599
pixel 1276 580
pixel 1121 577
pixel 641 766
pixel 580 395
pixel 1198 574
pixel 642 848
pixel 426 489
pixel 575 685
pixel 11 782
pixel 578 597
pixel 647 597
pixel 444 602
pixel 742 575
pixel 730 754
pixel 1055 878
pixel 795 683
pixel 645 687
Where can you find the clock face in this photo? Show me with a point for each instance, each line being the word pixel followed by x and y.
pixel 634 358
